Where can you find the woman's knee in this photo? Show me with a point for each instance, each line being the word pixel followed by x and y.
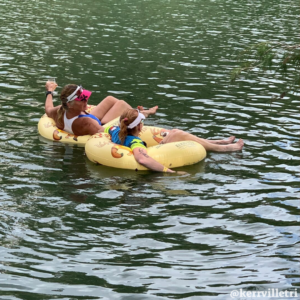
pixel 179 135
pixel 173 135
pixel 110 99
pixel 176 132
pixel 123 104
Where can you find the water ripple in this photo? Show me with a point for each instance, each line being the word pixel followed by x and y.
pixel 74 230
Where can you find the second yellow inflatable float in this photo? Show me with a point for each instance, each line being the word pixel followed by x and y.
pixel 100 150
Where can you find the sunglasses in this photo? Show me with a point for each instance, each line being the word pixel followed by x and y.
pixel 76 95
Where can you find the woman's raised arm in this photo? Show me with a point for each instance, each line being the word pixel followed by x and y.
pixel 49 107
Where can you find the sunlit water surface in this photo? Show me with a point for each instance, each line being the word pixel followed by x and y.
pixel 73 230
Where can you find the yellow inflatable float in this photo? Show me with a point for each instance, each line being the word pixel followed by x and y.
pixel 100 150
pixel 48 129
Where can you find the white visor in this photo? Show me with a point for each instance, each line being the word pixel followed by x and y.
pixel 73 96
pixel 137 121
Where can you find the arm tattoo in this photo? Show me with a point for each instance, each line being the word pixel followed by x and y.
pixel 141 150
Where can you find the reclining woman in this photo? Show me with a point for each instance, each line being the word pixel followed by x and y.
pixel 131 124
pixel 71 116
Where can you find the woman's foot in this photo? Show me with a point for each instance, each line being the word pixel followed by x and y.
pixel 229 140
pixel 150 111
pixel 236 147
pixel 223 142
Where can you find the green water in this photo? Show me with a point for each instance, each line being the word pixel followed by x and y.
pixel 72 230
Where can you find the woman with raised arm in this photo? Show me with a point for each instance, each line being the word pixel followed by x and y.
pixel 71 115
pixel 131 124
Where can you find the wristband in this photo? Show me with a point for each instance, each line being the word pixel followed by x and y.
pixel 165 169
pixel 48 93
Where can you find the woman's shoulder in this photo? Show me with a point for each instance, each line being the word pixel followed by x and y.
pixel 53 112
pixel 132 139
pixel 112 129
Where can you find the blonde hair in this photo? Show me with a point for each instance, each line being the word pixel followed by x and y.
pixel 127 118
pixel 66 91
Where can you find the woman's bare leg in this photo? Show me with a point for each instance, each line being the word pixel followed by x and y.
pixel 115 111
pixel 222 142
pixel 120 107
pixel 104 106
pixel 109 108
pixel 150 111
pixel 176 135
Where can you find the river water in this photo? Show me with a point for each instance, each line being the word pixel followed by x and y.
pixel 72 230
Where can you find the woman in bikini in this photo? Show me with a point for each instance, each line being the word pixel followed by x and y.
pixel 131 124
pixel 71 115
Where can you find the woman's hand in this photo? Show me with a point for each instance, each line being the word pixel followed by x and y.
pixel 182 173
pixel 177 172
pixel 142 157
pixel 50 86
